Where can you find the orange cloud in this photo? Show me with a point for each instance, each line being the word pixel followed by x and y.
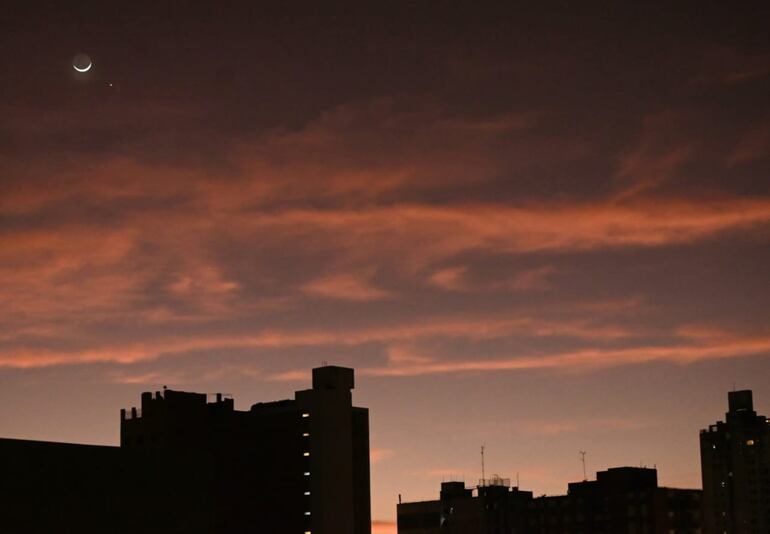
pixel 532 279
pixel 450 278
pixel 384 527
pixel 345 287
pixel 474 329
pixel 377 455
pixel 589 359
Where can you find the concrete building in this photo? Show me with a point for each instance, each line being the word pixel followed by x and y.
pixel 496 508
pixel 735 466
pixel 623 500
pixel 187 463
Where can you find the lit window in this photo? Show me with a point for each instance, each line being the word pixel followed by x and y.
pixel 308 532
pixel 307 493
pixel 307 513
pixel 305 454
pixel 305 414
pixel 750 442
pixel 307 473
pixel 306 434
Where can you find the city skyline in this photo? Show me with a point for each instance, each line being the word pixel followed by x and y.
pixel 542 229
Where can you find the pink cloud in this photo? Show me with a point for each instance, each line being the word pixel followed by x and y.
pixel 479 328
pixel 377 455
pixel 348 286
pixel 573 425
pixel 589 359
pixel 384 527
pixel 450 278
pixel 754 145
pixel 532 279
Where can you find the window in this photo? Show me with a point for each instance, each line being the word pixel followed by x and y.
pixel 306 434
pixel 305 414
pixel 307 493
pixel 305 454
pixel 307 513
pixel 307 473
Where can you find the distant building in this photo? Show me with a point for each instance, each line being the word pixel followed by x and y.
pixel 496 508
pixel 189 465
pixel 735 465
pixel 621 500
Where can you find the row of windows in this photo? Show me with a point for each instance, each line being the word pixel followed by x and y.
pixel 306 454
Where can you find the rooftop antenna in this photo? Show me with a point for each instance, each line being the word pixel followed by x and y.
pixel 583 460
pixel 517 479
pixel 324 363
pixel 483 477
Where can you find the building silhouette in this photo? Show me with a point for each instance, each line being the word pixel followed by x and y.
pixel 189 465
pixel 494 508
pixel 735 466
pixel 620 500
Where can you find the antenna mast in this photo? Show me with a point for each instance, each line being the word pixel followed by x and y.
pixel 483 477
pixel 583 460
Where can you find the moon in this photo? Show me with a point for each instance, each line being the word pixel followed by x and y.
pixel 82 63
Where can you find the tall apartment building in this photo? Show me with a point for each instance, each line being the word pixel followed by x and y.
pixel 625 500
pixel 188 464
pixel 735 466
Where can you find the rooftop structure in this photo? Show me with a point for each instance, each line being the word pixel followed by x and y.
pixel 620 500
pixel 192 463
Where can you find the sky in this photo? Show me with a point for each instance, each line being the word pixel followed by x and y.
pixel 542 228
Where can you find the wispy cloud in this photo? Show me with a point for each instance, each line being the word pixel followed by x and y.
pixel 384 527
pixel 473 329
pixel 377 455
pixel 346 286
pixel 449 278
pixel 589 359
pixel 573 425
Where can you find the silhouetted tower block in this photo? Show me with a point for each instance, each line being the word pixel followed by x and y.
pixel 297 465
pixel 735 466
pixel 337 466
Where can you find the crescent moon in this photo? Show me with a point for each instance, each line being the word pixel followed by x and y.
pixel 86 69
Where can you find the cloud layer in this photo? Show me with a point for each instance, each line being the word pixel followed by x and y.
pixel 437 199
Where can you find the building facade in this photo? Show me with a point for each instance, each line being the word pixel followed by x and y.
pixel 624 500
pixel 735 466
pixel 187 463
pixel 495 508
